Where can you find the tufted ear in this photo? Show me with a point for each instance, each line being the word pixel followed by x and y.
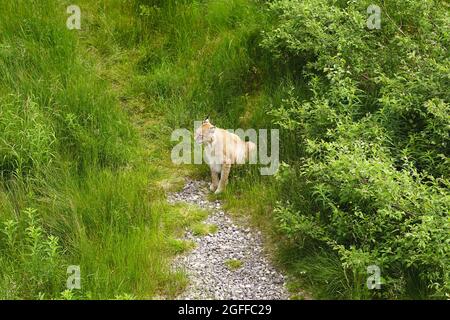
pixel 206 120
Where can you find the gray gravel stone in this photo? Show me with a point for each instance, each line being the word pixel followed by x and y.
pixel 209 276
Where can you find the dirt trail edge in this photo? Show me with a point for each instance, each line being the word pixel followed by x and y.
pixel 207 266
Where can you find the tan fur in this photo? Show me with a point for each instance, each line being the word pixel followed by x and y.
pixel 222 149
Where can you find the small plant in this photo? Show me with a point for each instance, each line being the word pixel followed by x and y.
pixel 203 229
pixel 178 246
pixel 234 264
pixel 125 296
pixel 33 261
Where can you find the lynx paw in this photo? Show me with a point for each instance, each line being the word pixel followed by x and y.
pixel 212 187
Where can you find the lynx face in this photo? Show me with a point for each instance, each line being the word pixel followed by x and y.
pixel 204 133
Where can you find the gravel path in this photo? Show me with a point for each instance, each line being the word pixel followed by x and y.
pixel 210 277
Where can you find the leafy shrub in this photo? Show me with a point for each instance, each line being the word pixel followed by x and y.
pixel 372 182
pixel 26 136
pixel 32 260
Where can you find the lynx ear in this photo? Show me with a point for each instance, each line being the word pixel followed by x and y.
pixel 206 120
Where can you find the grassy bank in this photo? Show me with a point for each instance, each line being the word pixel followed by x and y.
pixel 82 183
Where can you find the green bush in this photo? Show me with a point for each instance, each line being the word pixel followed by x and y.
pixel 26 137
pixel 32 260
pixel 372 183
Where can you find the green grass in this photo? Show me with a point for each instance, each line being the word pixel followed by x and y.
pixel 83 177
pixel 179 246
pixel 234 264
pixel 203 229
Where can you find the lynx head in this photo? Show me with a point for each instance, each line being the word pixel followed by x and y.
pixel 205 132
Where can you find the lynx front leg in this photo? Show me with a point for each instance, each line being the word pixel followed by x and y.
pixel 214 180
pixel 223 178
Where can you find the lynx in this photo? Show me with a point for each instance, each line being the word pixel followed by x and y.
pixel 222 149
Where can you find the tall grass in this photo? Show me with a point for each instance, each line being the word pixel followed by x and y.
pixel 77 186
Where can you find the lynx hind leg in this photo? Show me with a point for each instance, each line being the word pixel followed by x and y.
pixel 223 178
pixel 214 180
